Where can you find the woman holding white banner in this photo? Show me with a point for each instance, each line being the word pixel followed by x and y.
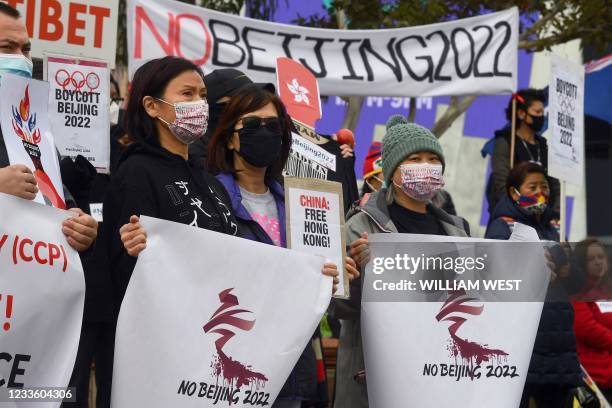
pixel 413 167
pixel 248 152
pixel 167 111
pixel 554 370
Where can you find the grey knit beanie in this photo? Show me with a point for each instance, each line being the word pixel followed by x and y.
pixel 402 140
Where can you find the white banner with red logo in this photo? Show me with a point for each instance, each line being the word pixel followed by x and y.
pixel 459 351
pixel 42 292
pixel 476 55
pixel 74 27
pixel 24 118
pixel 79 107
pixel 213 320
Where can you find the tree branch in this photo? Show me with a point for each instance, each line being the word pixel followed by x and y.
pixel 538 25
pixel 455 109
pixel 412 109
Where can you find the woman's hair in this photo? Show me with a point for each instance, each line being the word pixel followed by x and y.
pixel 580 251
pixel 524 99
pixel 151 79
pixel 520 172
pixel 249 99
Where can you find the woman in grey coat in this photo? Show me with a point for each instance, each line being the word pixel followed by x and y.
pixel 413 166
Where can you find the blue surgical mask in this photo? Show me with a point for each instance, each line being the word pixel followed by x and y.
pixel 16 64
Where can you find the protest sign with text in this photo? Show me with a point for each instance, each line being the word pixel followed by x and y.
pixel 74 27
pixel 42 292
pixel 476 55
pixel 79 107
pixel 566 118
pixel 315 222
pixel 213 320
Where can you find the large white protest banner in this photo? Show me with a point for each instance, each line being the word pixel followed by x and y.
pixel 27 134
pixel 74 27
pixel 477 55
pixel 79 107
pixel 450 347
pixel 42 291
pixel 213 320
pixel 566 118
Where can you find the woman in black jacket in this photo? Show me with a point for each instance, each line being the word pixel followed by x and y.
pixel 167 111
pixel 554 369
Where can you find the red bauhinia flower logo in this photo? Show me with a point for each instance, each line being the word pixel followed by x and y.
pixel 234 373
pixel 470 352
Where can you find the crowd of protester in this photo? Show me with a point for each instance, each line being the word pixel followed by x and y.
pixel 209 151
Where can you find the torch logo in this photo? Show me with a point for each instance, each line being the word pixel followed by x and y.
pixel 234 373
pixel 24 125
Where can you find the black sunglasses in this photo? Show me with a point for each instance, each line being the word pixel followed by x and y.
pixel 255 122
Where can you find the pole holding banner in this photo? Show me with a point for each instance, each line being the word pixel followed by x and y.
pixel 563 212
pixel 513 134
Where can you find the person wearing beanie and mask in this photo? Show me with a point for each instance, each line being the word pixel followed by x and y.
pixel 167 111
pixel 529 146
pixel 18 180
pixel 413 167
pixel 221 85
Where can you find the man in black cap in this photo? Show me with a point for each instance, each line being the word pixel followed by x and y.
pixel 221 85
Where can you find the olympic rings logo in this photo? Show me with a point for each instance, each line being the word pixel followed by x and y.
pixel 77 80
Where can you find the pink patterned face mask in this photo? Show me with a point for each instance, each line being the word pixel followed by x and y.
pixel 420 181
pixel 191 120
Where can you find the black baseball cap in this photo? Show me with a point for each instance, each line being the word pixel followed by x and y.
pixel 227 81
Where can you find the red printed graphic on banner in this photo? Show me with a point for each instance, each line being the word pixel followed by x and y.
pixel 24 125
pixel 299 91
pixel 8 310
pixel 234 373
pixel 469 351
pixel 26 250
pixel 171 44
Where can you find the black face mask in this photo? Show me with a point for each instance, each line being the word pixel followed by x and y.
pixel 260 147
pixel 537 123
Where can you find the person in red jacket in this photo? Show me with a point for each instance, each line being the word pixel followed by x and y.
pixel 593 318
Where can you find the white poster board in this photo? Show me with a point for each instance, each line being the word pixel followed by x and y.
pixel 73 27
pixel 27 134
pixel 566 121
pixel 315 222
pixel 79 107
pixel 42 292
